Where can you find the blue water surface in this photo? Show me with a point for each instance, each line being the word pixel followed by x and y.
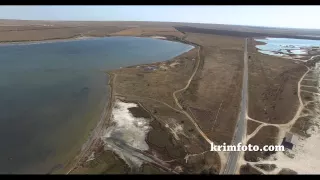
pixel 281 44
pixel 51 92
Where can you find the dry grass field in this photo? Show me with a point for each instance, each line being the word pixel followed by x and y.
pixel 149 31
pixel 214 95
pixel 251 126
pixel 247 169
pixel 40 33
pixel 266 136
pixel 272 87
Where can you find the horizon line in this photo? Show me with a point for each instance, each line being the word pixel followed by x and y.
pixel 254 26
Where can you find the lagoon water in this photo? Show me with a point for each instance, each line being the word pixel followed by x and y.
pixel 281 44
pixel 52 94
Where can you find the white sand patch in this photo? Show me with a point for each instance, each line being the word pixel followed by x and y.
pixel 286 47
pixel 84 37
pixel 306 158
pixel 175 128
pixel 127 133
pixel 299 51
pixel 91 157
pixel 80 38
pixel 174 64
pixel 158 37
pixel 178 169
pixel 163 67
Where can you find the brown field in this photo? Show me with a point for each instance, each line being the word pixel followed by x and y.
pixel 306 96
pixel 246 31
pixel 302 125
pixel 20 31
pixel 310 89
pixel 311 106
pixel 266 167
pixel 251 126
pixel 309 83
pixel 148 31
pixel 272 87
pixel 266 136
pixel 247 169
pixel 105 162
pixel 215 90
pixel 159 84
pixel 29 33
pixel 286 171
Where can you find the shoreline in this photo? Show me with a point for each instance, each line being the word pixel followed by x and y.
pixel 294 57
pixel 30 42
pixel 92 141
pixel 78 38
pixel 93 137
pixel 95 134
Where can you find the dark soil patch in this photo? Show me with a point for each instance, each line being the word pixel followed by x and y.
pixel 286 171
pixel 311 106
pixel 252 126
pixel 247 169
pixel 139 112
pixel 309 83
pixel 305 96
pixel 302 125
pixel 150 169
pixel 310 89
pixel 266 136
pixel 162 141
pixel 203 116
pixel 207 163
pixel 105 162
pixel 266 167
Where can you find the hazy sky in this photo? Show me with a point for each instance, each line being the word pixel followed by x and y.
pixel 276 16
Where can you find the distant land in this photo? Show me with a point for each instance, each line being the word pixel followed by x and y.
pixel 219 29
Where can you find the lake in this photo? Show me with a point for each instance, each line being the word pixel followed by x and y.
pixel 52 94
pixel 286 46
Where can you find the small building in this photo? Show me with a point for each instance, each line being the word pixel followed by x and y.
pixel 290 140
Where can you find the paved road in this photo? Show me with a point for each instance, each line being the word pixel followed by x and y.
pixel 241 127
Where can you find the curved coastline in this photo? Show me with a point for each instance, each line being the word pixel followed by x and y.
pixel 78 38
pixel 30 42
pixel 92 139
